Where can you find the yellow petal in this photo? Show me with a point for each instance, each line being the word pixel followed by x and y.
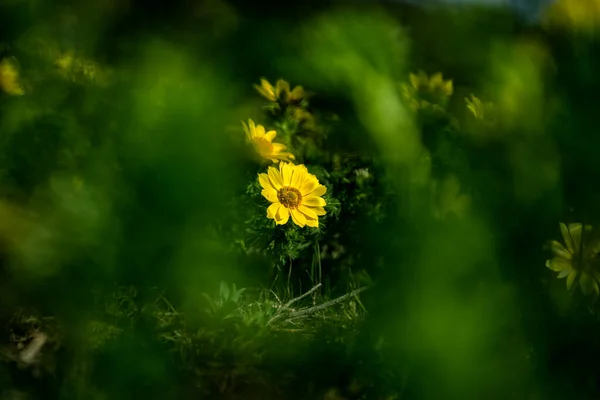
pixel 246 130
pixel 275 178
pixel 319 191
pixel 314 223
pixel 264 181
pixel 314 201
pixel 558 264
pixel 559 250
pixel 414 80
pixel 565 272
pixel 310 184
pixel 252 127
pixel 319 210
pixel 296 94
pixel 282 87
pixel 298 218
pixel 435 80
pixel 260 131
pixel 270 135
pixel 298 177
pixel 283 215
pixel 286 173
pixel 278 147
pixel 270 194
pixel 308 212
pixel 567 237
pixel 272 210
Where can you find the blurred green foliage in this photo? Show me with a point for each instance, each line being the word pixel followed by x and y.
pixel 137 259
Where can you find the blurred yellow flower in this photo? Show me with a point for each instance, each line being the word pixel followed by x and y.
pixel 294 192
pixel 579 15
pixel 302 116
pixel 424 90
pixel 578 260
pixel 476 107
pixel 281 92
pixel 262 142
pixel 449 199
pixel 9 78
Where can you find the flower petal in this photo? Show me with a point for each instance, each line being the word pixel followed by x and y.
pixel 319 191
pixel 567 237
pixel 298 218
pixel 283 215
pixel 559 250
pixel 310 184
pixel 308 212
pixel 246 130
pixel 558 264
pixel 275 178
pixel 319 210
pixel 298 177
pixel 270 194
pixel 286 172
pixel 264 181
pixel 272 210
pixel 260 131
pixel 270 135
pixel 278 147
pixel 564 272
pixel 314 201
pixel 313 223
pixel 282 87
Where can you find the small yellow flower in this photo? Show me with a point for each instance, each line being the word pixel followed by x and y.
pixel 577 15
pixel 449 199
pixel 578 260
pixel 262 142
pixel 281 92
pixel 294 192
pixel 424 90
pixel 9 78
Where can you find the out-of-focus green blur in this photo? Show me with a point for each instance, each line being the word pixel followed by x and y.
pixel 133 237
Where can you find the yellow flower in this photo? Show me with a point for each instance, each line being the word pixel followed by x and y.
pixel 424 90
pixel 449 199
pixel 294 192
pixel 9 78
pixel 578 15
pixel 577 261
pixel 281 91
pixel 475 106
pixel 262 142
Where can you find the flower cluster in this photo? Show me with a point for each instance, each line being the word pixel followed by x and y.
pixel 293 192
pixel 577 260
pixel 425 91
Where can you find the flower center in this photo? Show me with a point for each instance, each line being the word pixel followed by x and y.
pixel 263 146
pixel 290 197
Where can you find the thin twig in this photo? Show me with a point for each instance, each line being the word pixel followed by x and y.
pixel 292 301
pixel 289 303
pixel 310 310
pixel 327 304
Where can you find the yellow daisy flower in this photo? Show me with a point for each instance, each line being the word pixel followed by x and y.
pixel 281 91
pixel 578 15
pixel 577 261
pixel 262 142
pixel 9 78
pixel 424 90
pixel 294 192
pixel 449 199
